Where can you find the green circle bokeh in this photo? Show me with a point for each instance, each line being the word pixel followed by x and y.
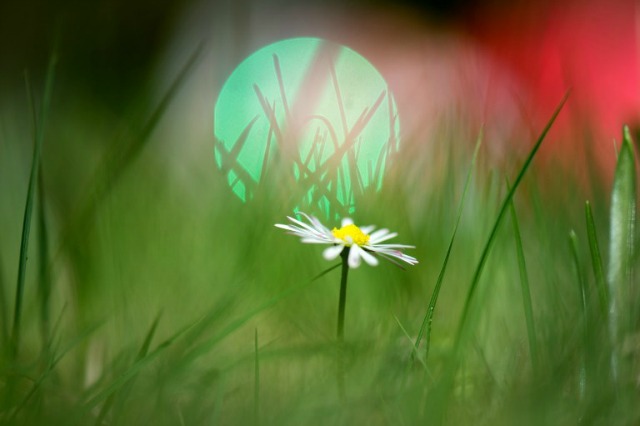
pixel 319 108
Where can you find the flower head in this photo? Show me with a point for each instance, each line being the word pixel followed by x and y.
pixel 361 242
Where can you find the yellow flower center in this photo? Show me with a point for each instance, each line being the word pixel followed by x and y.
pixel 351 234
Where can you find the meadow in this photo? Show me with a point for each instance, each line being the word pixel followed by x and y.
pixel 130 295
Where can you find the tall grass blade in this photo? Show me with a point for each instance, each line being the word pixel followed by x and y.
pixel 526 292
pixel 444 390
pixel 492 236
pixel 121 396
pixel 4 310
pixel 121 157
pixel 26 224
pixel 125 157
pixel 44 273
pixel 425 328
pixel 596 259
pixel 144 350
pixel 53 362
pixel 209 344
pixel 621 248
pixel 584 320
pixel 140 363
pixel 256 383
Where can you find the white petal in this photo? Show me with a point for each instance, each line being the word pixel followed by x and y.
pixel 313 240
pixel 294 230
pixel 316 233
pixel 354 256
pixel 367 229
pixel 287 227
pixel 379 233
pixel 305 226
pixel 370 259
pixel 378 237
pixel 316 223
pixel 398 255
pixel 389 246
pixel 346 221
pixel 332 252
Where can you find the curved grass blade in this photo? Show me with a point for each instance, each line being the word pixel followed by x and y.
pixel 439 401
pixel 124 393
pixel 621 247
pixel 256 382
pixel 140 363
pixel 53 362
pixel 425 328
pixel 124 156
pixel 209 344
pixel 526 292
pixel 596 259
pixel 4 310
pixel 26 224
pixel 584 313
pixel 119 159
pixel 44 273
pixel 501 214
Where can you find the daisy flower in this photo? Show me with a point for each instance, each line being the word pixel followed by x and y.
pixel 361 242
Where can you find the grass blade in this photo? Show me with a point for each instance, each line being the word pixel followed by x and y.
pixel 119 159
pixel 256 385
pixel 440 397
pixel 582 287
pixel 4 310
pixel 425 328
pixel 526 292
pixel 123 157
pixel 494 230
pixel 621 245
pixel 26 224
pixel 596 259
pixel 140 363
pixel 44 273
pixel 53 362
pixel 144 350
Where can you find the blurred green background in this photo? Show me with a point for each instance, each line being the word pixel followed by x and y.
pixel 154 295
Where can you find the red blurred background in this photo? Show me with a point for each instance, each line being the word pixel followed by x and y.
pixel 502 63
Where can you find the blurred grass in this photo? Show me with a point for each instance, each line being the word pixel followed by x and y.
pixel 222 275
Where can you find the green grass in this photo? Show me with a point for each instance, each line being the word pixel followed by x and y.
pixel 147 299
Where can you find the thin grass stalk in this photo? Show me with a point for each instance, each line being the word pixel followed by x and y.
pixel 116 400
pixel 4 309
pixel 425 328
pixel 44 275
pixel 53 362
pixel 596 260
pixel 526 292
pixel 584 314
pixel 492 236
pixel 117 161
pixel 256 382
pixel 26 223
pixel 444 390
pixel 208 344
pixel 135 368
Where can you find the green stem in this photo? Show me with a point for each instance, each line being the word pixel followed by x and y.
pixel 256 383
pixel 343 293
pixel 341 307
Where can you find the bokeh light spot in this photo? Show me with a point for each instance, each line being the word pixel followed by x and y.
pixel 313 109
